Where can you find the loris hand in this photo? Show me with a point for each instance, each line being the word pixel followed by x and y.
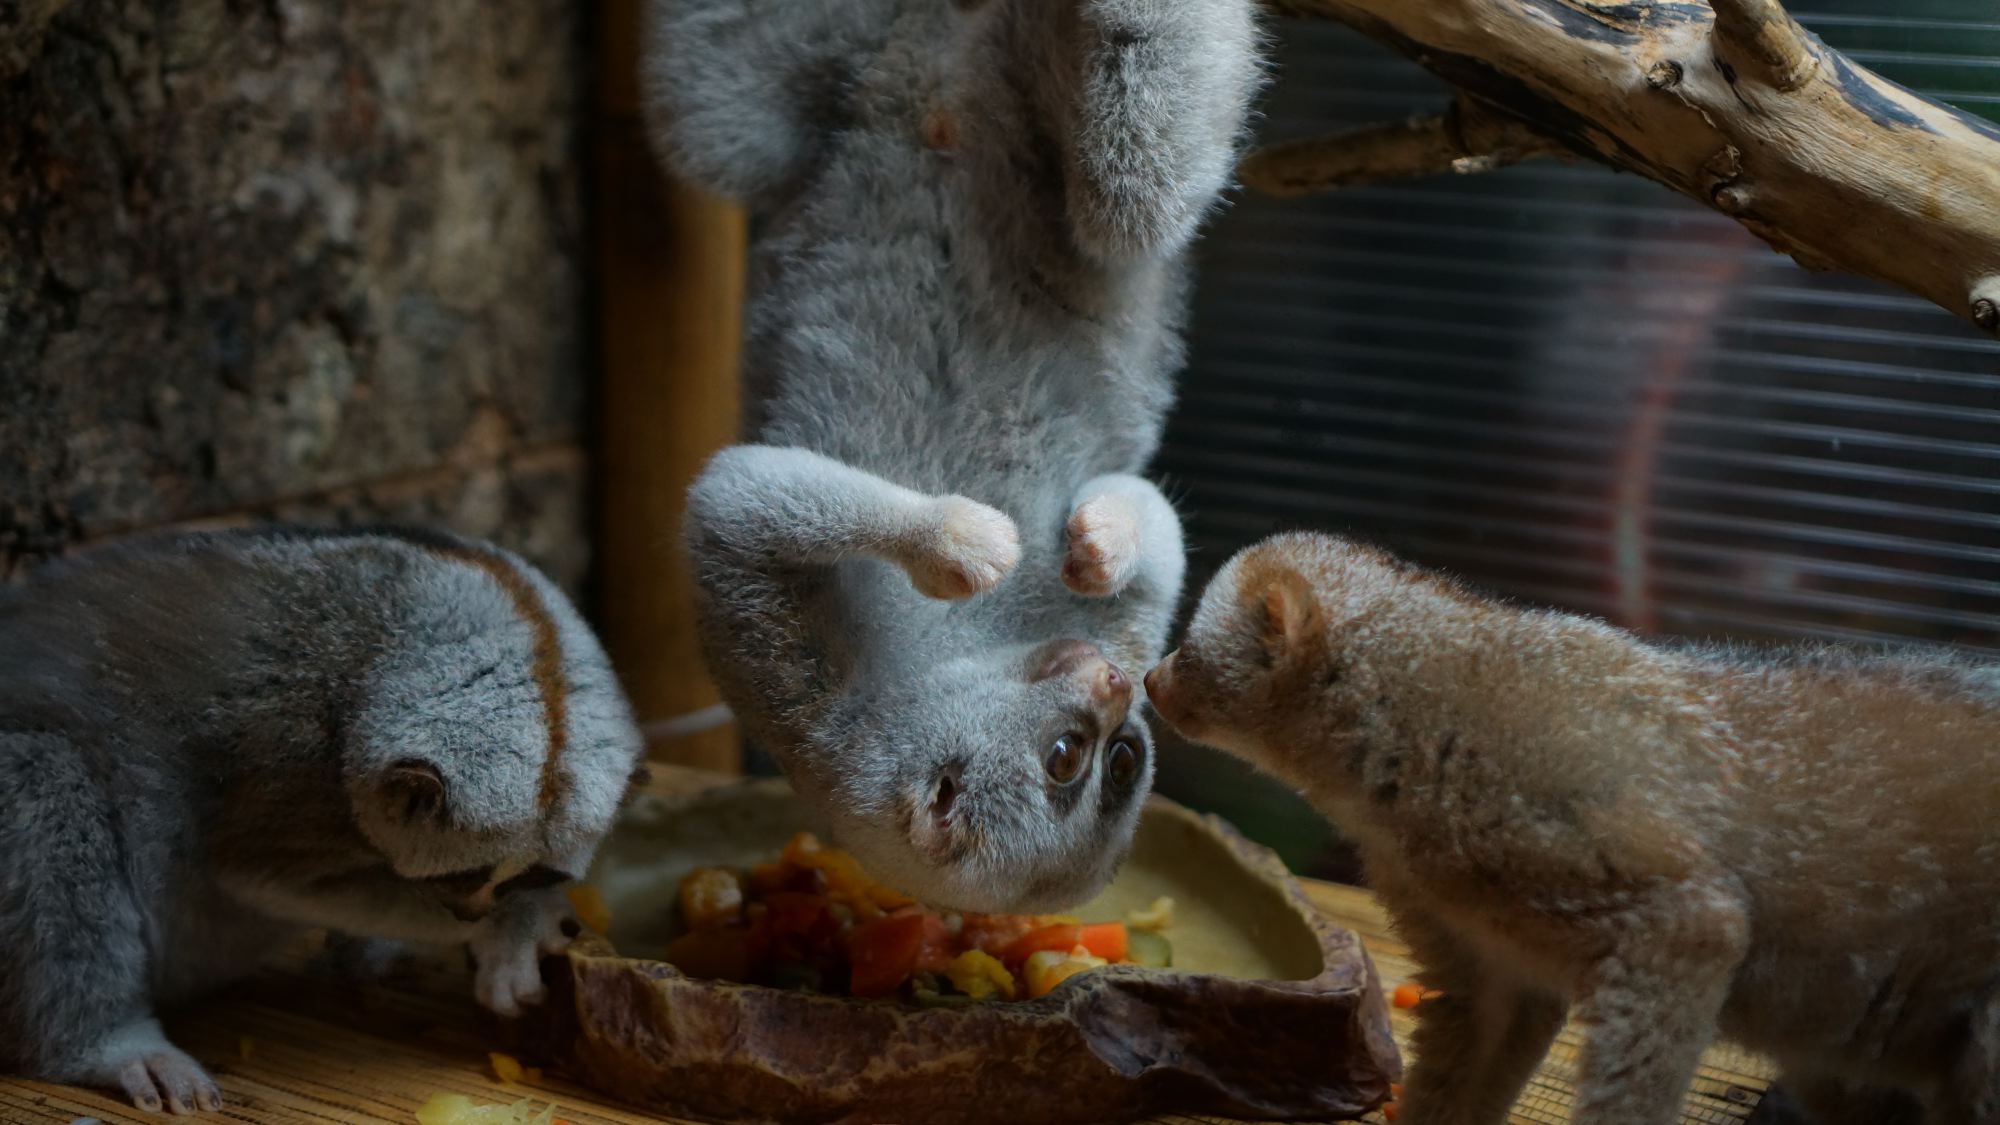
pixel 509 944
pixel 959 548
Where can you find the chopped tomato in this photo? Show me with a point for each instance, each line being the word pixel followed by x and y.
pixel 883 953
pixel 936 953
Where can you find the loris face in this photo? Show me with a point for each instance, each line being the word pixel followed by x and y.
pixel 1008 783
pixel 1272 659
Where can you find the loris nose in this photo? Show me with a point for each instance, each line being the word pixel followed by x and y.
pixel 1108 686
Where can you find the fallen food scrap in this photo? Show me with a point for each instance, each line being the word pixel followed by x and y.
pixel 1409 994
pixel 457 1109
pixel 508 1069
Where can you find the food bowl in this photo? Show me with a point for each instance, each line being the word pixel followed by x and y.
pixel 1271 1012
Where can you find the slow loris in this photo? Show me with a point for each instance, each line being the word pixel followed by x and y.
pixel 1796 849
pixel 212 742
pixel 927 586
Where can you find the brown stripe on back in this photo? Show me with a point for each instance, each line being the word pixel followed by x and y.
pixel 548 670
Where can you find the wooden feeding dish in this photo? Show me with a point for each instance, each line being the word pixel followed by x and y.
pixel 1272 1012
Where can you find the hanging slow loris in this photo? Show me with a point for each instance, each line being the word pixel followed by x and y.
pixel 1797 849
pixel 928 585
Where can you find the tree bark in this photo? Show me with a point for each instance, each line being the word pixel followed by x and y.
pixel 311 260
pixel 1732 104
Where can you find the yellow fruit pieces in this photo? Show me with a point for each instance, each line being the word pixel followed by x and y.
pixel 1156 917
pixel 980 975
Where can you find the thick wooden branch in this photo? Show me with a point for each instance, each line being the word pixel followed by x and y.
pixel 1468 138
pixel 1733 104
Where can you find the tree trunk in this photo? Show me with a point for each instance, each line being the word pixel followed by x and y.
pixel 1729 102
pixel 299 259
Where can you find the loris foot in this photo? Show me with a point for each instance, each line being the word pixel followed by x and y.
pixel 152 1072
pixel 1103 546
pixel 960 548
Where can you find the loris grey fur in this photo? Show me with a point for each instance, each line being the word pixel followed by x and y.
pixel 211 742
pixel 921 588
pixel 1796 849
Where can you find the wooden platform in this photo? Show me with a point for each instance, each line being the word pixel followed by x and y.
pixel 298 1046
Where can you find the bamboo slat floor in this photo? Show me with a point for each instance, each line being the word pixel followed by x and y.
pixel 297 1046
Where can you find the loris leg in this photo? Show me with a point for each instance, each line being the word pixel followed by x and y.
pixel 762 508
pixel 74 995
pixel 1476 1044
pixel 1648 1015
pixel 1123 534
pixel 1155 126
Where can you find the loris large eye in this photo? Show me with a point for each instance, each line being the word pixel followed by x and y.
pixel 1122 764
pixel 1065 759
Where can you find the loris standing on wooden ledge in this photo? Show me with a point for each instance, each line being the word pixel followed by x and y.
pixel 928 587
pixel 210 743
pixel 1796 849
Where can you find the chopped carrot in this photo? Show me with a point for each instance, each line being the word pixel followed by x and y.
pixel 1059 938
pixel 1389 1111
pixel 1407 995
pixel 1395 1090
pixel 1104 939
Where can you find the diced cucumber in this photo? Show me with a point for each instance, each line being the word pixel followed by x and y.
pixel 1143 947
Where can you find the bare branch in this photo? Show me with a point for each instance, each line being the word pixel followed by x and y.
pixel 1466 139
pixel 1733 105
pixel 1766 41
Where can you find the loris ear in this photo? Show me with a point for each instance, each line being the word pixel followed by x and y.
pixel 1291 612
pixel 415 789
